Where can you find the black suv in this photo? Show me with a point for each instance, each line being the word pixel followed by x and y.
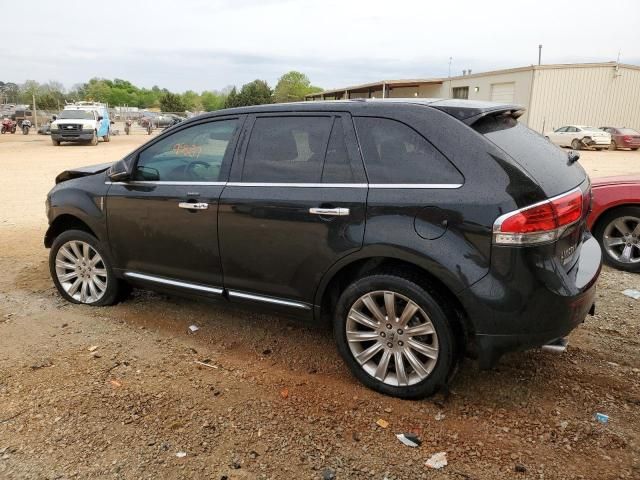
pixel 422 229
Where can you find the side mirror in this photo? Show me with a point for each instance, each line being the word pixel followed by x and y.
pixel 573 156
pixel 99 119
pixel 119 171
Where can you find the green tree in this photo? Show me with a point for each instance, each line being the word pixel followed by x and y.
pixel 257 92
pixel 292 87
pixel 191 101
pixel 232 99
pixel 171 102
pixel 212 100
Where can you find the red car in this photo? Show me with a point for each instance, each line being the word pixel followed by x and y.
pixel 615 220
pixel 623 138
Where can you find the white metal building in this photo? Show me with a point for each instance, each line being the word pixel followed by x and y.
pixel 594 94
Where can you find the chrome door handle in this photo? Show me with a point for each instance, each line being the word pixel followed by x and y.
pixel 193 206
pixel 340 212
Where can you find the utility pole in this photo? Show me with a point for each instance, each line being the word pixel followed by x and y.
pixel 35 112
pixel 540 54
pixel 450 60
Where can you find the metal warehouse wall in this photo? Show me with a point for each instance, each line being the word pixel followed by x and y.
pixel 590 95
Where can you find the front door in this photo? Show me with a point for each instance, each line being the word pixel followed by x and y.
pixel 163 226
pixel 295 205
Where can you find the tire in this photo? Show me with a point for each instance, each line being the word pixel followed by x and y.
pixel 418 384
pixel 576 144
pixel 607 233
pixel 94 139
pixel 56 143
pixel 83 247
pixel 634 149
pixel 613 146
pixel 25 131
pixel 3 130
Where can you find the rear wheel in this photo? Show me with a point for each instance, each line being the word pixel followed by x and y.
pixel 576 144
pixel 394 336
pixel 81 269
pixel 613 145
pixel 618 233
pixel 634 149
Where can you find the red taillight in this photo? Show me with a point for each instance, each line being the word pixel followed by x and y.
pixel 542 222
pixel 626 139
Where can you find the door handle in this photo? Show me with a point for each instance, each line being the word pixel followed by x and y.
pixel 339 212
pixel 193 206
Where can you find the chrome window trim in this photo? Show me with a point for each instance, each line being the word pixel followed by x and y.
pixel 175 283
pixel 162 182
pixel 260 298
pixel 421 186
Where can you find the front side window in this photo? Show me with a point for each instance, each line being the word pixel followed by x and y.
pixel 396 153
pixel 287 149
pixel 194 154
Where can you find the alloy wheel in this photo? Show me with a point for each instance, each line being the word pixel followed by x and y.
pixel 392 338
pixel 81 271
pixel 621 239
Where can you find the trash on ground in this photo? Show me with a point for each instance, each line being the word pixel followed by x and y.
pixel 602 418
pixel 92 348
pixel 632 292
pixel 409 439
pixel 439 416
pixel 520 468
pixel 382 423
pixel 284 393
pixel 437 460
pixel 205 364
pixel 193 328
pixel 115 383
pixel 181 454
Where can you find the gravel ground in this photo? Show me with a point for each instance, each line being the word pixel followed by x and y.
pixel 117 393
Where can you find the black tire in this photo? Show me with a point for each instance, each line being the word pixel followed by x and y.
pixel 634 149
pixel 576 144
pixel 56 143
pixel 111 293
pixel 600 230
pixel 613 145
pixel 435 309
pixel 94 139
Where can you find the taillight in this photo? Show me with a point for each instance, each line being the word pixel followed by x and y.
pixel 539 223
pixel 626 139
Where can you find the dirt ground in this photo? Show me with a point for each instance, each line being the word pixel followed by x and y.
pixel 275 400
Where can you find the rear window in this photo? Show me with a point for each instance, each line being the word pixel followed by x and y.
pixel 545 162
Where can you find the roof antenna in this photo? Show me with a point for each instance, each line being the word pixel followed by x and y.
pixel 450 60
pixel 540 54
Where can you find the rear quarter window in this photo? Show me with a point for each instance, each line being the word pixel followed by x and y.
pixel 394 153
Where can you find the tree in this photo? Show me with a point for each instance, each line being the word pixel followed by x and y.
pixel 232 99
pixel 292 87
pixel 257 92
pixel 212 101
pixel 171 102
pixel 191 101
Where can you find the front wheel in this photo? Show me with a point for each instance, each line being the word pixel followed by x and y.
pixel 618 233
pixel 576 144
pixel 81 269
pixel 94 139
pixel 25 131
pixel 3 130
pixel 613 145
pixel 394 336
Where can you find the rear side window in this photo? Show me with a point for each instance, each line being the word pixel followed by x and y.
pixel 394 153
pixel 337 165
pixel 287 149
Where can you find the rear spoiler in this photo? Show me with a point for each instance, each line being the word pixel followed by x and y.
pixel 472 115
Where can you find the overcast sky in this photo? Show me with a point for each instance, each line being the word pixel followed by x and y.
pixel 208 44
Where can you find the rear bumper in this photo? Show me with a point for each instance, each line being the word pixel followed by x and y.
pixel 533 303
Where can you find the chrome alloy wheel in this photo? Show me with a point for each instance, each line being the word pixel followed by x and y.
pixel 81 271
pixel 621 239
pixel 392 338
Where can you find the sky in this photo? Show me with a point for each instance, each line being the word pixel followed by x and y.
pixel 205 45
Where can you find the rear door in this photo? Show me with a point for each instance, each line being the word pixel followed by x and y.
pixel 294 205
pixel 163 224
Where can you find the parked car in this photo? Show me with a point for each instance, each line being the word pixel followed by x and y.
pixel 579 137
pixel 81 122
pixel 423 230
pixel 615 220
pixel 623 137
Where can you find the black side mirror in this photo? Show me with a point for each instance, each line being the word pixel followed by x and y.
pixel 573 156
pixel 119 171
pixel 99 119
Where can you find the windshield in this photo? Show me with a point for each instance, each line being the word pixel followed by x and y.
pixel 76 114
